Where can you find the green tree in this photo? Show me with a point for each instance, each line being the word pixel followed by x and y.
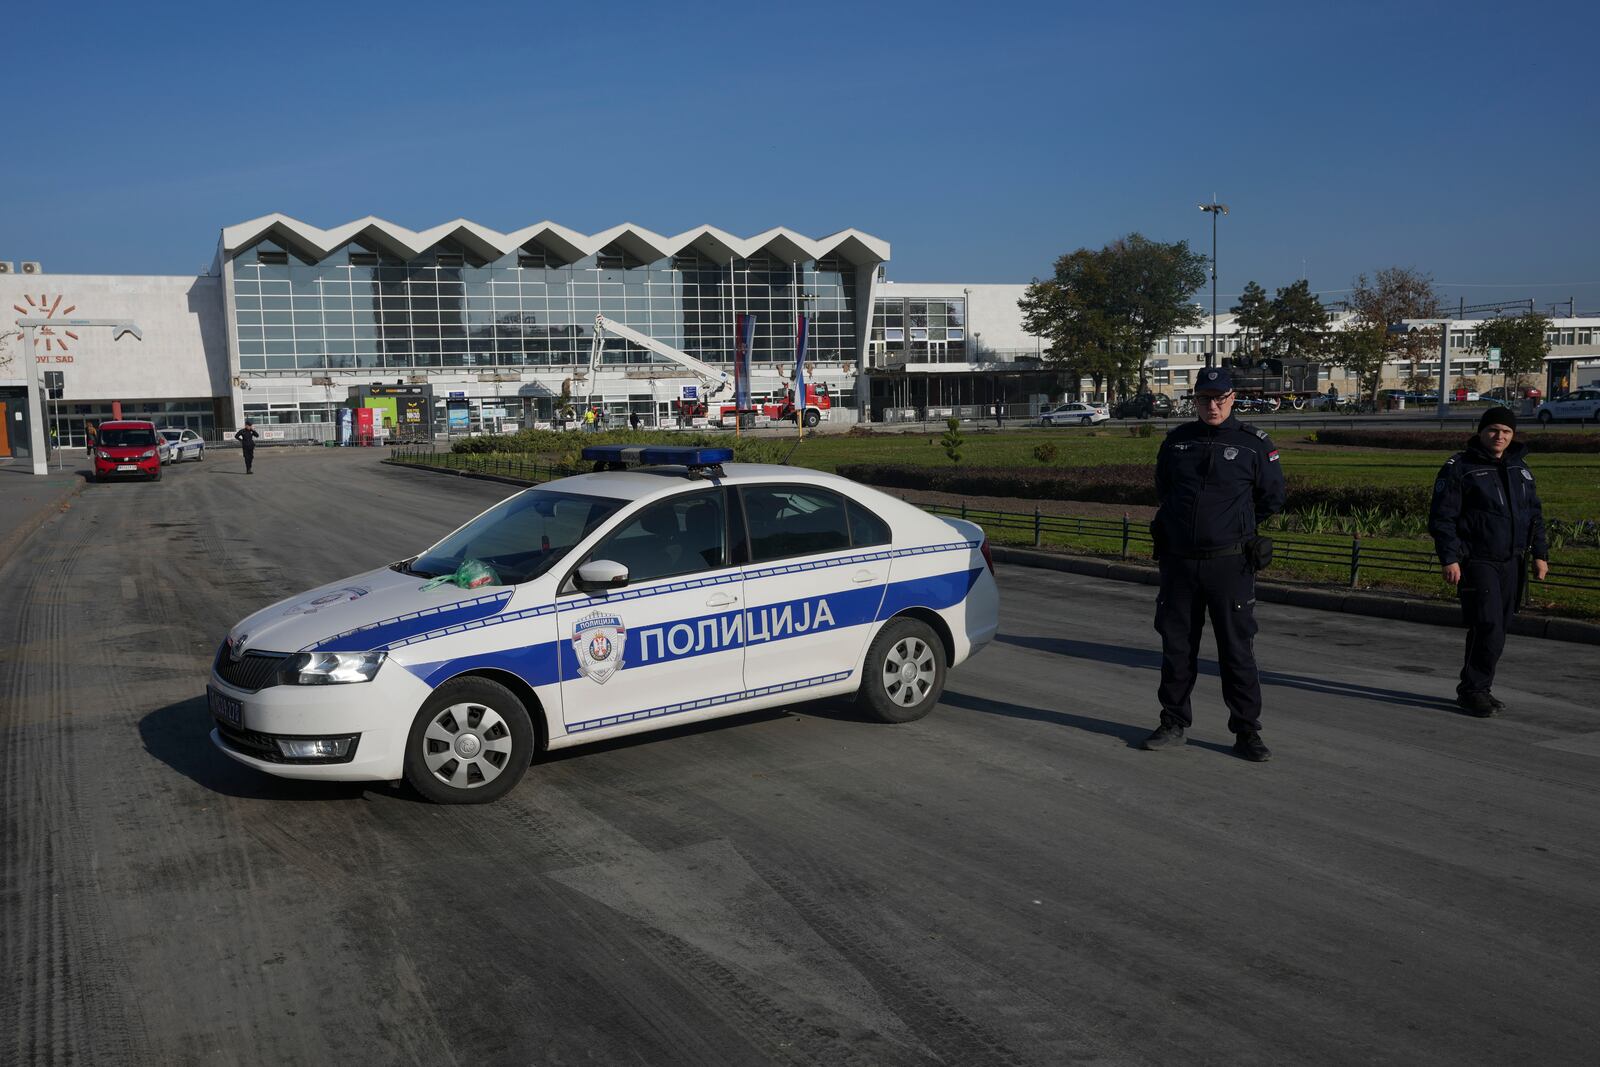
pixel 1253 313
pixel 1296 324
pixel 1103 310
pixel 1391 296
pixel 1523 341
pixel 952 440
pixel 1362 348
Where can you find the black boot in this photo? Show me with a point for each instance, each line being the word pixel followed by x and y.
pixel 1248 746
pixel 1165 736
pixel 1477 703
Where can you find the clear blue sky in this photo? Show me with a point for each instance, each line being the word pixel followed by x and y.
pixel 981 139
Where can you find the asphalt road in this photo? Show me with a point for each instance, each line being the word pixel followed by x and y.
pixel 1006 882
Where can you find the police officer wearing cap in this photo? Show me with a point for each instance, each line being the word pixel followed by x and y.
pixel 1216 480
pixel 1486 519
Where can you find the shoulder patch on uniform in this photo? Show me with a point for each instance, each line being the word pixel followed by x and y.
pixel 1259 432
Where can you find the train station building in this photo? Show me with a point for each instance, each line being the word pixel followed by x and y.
pixel 464 329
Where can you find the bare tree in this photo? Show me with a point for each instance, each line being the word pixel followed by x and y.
pixel 1391 296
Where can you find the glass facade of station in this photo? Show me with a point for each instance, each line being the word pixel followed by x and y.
pixel 919 330
pixel 359 308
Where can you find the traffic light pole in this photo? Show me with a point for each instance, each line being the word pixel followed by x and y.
pixel 36 433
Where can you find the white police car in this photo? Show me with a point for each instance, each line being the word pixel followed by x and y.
pixel 627 600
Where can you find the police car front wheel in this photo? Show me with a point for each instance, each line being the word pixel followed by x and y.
pixel 470 744
pixel 905 670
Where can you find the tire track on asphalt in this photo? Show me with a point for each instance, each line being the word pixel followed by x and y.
pixel 562 838
pixel 75 1006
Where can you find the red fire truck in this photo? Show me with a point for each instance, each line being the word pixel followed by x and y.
pixel 780 406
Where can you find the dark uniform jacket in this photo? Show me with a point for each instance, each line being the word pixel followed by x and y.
pixel 1215 484
pixel 1485 508
pixel 247 437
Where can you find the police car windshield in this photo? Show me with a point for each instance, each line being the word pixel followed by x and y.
pixel 521 537
pixel 126 437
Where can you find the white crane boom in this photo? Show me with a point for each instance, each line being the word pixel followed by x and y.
pixel 717 379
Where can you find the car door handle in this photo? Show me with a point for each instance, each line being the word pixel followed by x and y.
pixel 721 600
pixel 863 577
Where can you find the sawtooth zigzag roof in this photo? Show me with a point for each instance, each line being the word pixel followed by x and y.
pixel 646 245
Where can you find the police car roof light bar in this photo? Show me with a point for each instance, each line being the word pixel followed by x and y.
pixel 615 457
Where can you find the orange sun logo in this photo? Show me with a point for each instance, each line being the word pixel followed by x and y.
pixel 44 307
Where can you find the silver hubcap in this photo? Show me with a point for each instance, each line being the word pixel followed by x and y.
pixel 908 671
pixel 467 745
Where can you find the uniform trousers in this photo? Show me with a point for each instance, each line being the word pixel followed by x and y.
pixel 1224 588
pixel 1488 593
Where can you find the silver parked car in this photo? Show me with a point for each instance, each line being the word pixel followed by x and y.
pixel 1074 414
pixel 178 445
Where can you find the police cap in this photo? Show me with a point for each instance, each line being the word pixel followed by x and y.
pixel 1214 380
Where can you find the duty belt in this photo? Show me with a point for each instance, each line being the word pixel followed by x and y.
pixel 1211 553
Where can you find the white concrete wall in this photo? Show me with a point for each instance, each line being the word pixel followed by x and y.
pixel 184 353
pixel 992 312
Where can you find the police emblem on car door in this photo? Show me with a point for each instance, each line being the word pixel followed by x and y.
pixel 670 642
pixel 599 641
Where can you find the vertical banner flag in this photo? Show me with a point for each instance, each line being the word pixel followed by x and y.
pixel 800 331
pixel 743 341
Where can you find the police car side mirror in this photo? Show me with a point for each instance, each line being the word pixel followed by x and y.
pixel 602 574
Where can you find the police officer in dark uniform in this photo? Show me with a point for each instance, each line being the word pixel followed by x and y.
pixel 1485 520
pixel 247 439
pixel 1216 479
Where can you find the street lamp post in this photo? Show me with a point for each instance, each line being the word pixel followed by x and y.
pixel 1215 209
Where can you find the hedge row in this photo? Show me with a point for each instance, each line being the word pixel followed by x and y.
pixel 561 444
pixel 1455 440
pixel 1125 483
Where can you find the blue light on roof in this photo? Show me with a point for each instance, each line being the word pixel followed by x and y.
pixel 667 455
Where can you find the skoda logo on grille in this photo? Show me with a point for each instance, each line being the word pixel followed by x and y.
pixel 236 648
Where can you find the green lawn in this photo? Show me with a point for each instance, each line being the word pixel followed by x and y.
pixel 1569 483
pixel 1318 558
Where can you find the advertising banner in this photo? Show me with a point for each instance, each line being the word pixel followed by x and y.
pixel 460 417
pixel 364 423
pixel 743 342
pixel 800 331
pixel 346 420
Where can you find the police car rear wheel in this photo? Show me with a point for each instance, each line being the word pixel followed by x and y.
pixel 470 744
pixel 905 672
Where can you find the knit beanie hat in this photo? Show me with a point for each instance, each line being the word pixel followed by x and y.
pixel 1498 417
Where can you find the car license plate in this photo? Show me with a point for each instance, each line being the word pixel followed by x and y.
pixel 127 466
pixel 225 708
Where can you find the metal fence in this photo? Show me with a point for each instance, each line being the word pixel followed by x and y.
pixel 1351 559
pixel 1348 559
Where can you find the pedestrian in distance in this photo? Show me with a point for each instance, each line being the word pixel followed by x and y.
pixel 247 440
pixel 999 414
pixel 89 435
pixel 633 420
pixel 1486 520
pixel 1217 480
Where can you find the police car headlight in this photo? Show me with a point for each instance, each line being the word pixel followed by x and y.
pixel 334 668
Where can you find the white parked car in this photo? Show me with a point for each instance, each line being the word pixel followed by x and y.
pixel 617 602
pixel 1075 414
pixel 1583 404
pixel 179 445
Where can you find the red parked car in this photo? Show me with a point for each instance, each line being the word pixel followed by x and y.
pixel 127 448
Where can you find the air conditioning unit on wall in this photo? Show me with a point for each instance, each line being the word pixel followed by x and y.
pixel 31 267
pixel 7 268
